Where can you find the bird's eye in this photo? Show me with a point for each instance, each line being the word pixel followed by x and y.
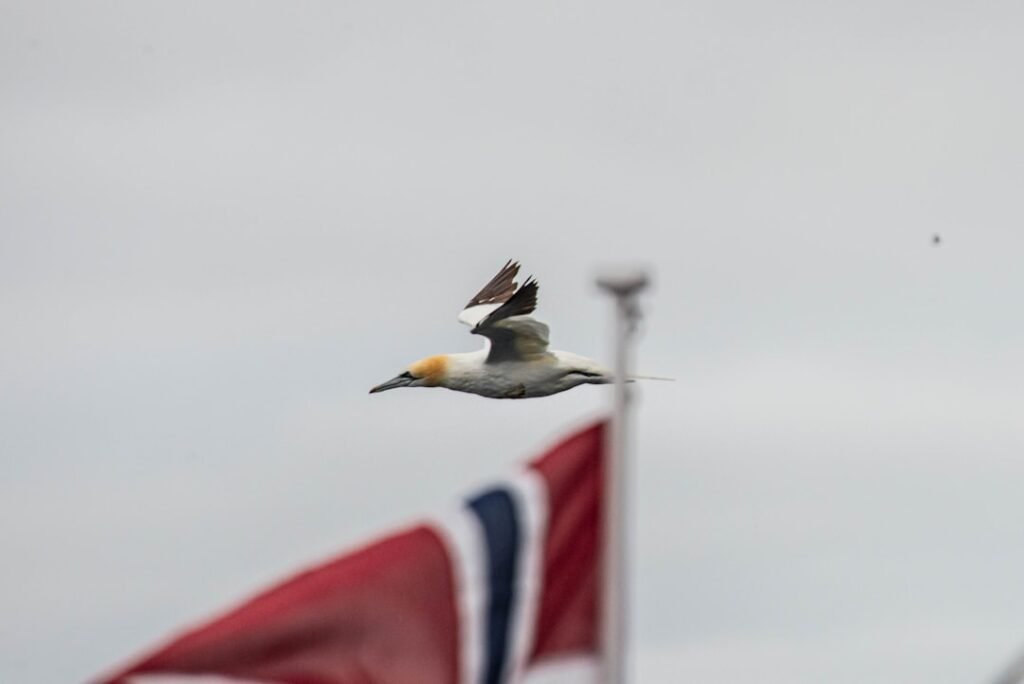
pixel 407 374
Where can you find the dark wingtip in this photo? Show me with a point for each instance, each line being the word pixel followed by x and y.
pixel 521 303
pixel 500 288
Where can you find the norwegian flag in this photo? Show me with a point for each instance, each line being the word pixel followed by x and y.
pixel 504 589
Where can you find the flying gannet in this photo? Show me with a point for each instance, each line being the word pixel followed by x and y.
pixel 515 362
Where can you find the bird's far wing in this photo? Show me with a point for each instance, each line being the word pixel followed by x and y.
pixel 489 299
pixel 514 335
pixel 521 303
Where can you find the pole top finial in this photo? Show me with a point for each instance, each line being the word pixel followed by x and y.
pixel 623 281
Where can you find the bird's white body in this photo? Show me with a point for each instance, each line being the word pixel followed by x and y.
pixel 516 362
pixel 540 376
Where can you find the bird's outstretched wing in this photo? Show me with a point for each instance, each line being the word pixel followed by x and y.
pixel 500 312
pixel 495 293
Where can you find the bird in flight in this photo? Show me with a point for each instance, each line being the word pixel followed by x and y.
pixel 515 362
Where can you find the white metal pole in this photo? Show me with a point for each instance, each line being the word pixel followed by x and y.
pixel 1014 672
pixel 615 562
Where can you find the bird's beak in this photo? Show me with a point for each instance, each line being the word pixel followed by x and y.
pixel 400 381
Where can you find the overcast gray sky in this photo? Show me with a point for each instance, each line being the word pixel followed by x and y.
pixel 221 223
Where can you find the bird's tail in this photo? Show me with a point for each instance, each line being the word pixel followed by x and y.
pixel 651 377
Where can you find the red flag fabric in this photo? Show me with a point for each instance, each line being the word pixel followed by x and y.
pixel 504 586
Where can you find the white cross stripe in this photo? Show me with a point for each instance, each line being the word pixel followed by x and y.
pixel 462 534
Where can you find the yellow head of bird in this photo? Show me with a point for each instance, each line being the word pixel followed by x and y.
pixel 428 372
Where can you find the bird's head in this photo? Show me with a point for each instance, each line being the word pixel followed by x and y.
pixel 428 372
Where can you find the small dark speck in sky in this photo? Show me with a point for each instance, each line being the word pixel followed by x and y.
pixel 936 240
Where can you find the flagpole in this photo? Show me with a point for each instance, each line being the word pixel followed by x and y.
pixel 1014 672
pixel 624 287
